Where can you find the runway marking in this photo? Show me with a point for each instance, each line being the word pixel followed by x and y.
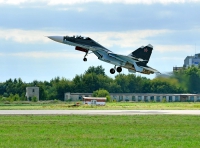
pixel 99 112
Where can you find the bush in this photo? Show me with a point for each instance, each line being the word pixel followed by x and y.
pixel 114 100
pixel 108 98
pixel 34 99
pixel 100 93
pixel 5 94
pixel 10 98
pixel 3 99
pixel 6 102
pixel 16 97
pixel 164 100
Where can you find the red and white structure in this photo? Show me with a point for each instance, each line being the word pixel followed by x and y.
pixel 94 101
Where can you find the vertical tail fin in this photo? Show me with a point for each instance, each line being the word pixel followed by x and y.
pixel 143 53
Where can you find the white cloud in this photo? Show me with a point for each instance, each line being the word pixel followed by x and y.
pixel 12 2
pixel 172 48
pixel 25 36
pixel 108 39
pixel 125 39
pixel 35 54
pixel 72 2
pixel 57 2
pixel 131 40
pixel 169 58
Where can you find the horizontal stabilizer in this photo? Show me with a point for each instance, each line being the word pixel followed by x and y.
pixel 151 69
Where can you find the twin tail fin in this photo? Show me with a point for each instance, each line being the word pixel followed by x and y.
pixel 142 53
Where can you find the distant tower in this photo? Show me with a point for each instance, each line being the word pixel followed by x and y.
pixel 32 92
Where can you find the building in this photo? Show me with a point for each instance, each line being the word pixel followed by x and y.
pixel 32 92
pixel 138 97
pixel 189 61
pixel 177 69
pixel 76 96
pixel 192 60
pixel 94 100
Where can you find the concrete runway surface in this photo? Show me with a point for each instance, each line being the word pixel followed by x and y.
pixel 99 112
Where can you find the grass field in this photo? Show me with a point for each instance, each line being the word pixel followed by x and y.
pixel 100 131
pixel 112 106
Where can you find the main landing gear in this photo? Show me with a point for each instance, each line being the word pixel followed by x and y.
pixel 112 70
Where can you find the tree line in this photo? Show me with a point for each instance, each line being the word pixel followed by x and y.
pixel 186 80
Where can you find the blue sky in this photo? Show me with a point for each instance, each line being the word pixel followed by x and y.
pixel 172 27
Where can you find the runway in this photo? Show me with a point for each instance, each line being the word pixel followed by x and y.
pixel 99 112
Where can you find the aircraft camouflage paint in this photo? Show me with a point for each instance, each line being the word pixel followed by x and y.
pixel 134 62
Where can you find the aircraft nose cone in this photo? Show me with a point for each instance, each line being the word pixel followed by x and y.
pixel 56 38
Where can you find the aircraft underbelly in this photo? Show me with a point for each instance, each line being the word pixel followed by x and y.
pixel 103 56
pixel 79 45
pixel 110 60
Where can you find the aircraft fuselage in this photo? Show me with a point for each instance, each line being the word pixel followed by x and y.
pixel 135 62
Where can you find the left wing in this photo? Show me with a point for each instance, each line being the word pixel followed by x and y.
pixel 125 58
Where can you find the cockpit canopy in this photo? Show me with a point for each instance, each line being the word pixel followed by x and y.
pixel 78 37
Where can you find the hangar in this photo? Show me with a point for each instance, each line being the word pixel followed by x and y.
pixel 137 97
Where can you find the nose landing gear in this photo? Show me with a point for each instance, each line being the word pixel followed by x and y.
pixel 85 59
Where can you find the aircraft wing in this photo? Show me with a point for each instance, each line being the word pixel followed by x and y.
pixel 124 58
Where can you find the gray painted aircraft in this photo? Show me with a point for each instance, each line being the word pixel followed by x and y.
pixel 136 61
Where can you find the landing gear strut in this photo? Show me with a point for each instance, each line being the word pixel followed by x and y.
pixel 85 59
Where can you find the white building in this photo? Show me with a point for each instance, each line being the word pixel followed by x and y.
pixel 94 100
pixel 137 97
pixel 192 60
pixel 32 92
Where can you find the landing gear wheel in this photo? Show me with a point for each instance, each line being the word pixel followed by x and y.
pixel 112 70
pixel 119 69
pixel 85 59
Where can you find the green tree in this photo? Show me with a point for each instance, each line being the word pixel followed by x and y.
pixel 34 99
pixel 102 93
pixel 193 74
pixel 62 87
pixel 99 70
pixel 77 84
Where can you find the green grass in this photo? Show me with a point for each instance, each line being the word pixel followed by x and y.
pixel 109 106
pixel 150 131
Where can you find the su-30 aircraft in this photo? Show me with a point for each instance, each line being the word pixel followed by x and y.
pixel 134 62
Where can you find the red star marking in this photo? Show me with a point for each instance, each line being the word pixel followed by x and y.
pixel 145 50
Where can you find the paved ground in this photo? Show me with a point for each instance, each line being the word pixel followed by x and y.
pixel 98 112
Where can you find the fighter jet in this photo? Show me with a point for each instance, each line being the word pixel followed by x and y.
pixel 136 61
